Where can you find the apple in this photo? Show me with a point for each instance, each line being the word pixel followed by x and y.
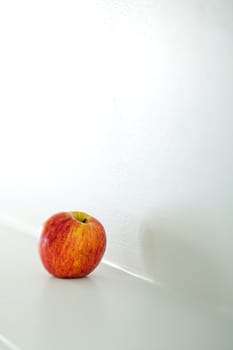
pixel 72 244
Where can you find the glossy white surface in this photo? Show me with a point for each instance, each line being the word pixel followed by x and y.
pixel 107 310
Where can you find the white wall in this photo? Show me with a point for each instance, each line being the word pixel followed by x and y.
pixel 124 109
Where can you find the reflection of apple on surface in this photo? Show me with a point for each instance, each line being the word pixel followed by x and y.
pixel 72 244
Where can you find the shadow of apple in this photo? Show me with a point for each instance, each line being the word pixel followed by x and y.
pixel 174 255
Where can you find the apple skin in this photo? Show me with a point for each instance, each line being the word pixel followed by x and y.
pixel 72 244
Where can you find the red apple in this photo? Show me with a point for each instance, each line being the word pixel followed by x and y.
pixel 72 244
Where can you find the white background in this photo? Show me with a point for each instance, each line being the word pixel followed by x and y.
pixel 123 109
